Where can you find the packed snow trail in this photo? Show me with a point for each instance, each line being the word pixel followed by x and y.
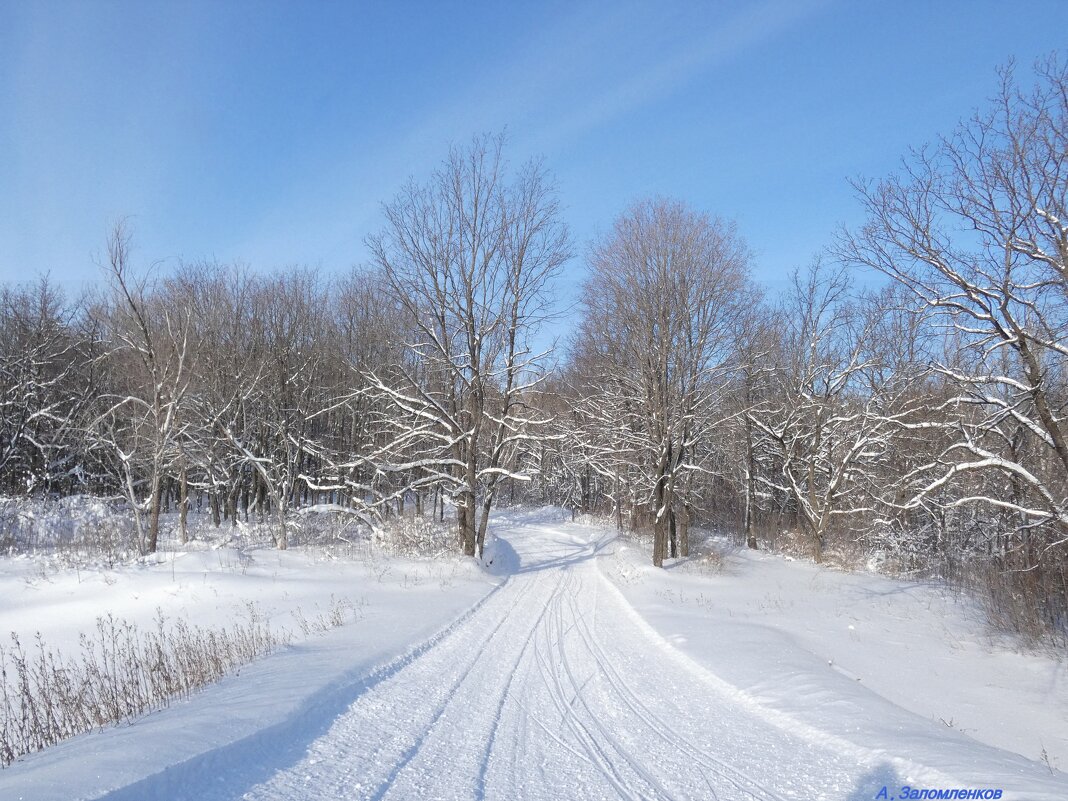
pixel 576 672
pixel 554 689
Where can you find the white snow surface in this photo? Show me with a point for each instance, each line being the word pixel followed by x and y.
pixel 568 669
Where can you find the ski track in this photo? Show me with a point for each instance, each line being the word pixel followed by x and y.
pixel 550 689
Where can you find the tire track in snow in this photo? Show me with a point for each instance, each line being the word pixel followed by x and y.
pixel 713 739
pixel 658 725
pixel 595 752
pixel 631 763
pixel 225 773
pixel 463 748
pixel 383 749
pixel 505 695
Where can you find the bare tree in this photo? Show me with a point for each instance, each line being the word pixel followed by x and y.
pixel 758 342
pixel 663 295
pixel 141 423
pixel 977 229
pixel 839 403
pixel 470 257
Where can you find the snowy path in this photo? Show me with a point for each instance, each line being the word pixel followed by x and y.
pixel 554 689
pixel 550 686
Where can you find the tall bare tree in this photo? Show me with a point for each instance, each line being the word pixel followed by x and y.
pixel 142 422
pixel 470 257
pixel 977 229
pixel 663 295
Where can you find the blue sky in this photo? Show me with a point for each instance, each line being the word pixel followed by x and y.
pixel 270 133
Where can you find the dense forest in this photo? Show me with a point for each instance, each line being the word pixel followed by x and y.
pixel 905 399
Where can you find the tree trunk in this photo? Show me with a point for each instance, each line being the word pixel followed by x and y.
pixel 586 481
pixel 483 523
pixel 817 540
pixel 618 497
pixel 465 518
pixel 156 490
pixel 471 483
pixel 684 531
pixel 659 540
pixel 183 505
pixel 750 489
pixel 261 500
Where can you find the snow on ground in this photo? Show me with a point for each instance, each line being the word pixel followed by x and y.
pixel 206 586
pixel 249 720
pixel 792 633
pixel 585 674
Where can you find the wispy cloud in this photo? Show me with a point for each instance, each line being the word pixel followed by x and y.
pixel 577 73
pixel 650 79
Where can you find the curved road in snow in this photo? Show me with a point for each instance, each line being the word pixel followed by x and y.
pixel 553 688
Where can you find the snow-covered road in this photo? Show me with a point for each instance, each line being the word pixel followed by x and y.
pixel 577 672
pixel 554 688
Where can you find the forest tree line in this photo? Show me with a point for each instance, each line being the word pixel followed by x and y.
pixel 921 418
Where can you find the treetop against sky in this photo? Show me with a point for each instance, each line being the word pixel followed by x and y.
pixel 271 133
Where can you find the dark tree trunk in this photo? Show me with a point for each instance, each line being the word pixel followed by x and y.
pixel 183 506
pixel 684 531
pixel 153 514
pixel 750 488
pixel 659 540
pixel 465 518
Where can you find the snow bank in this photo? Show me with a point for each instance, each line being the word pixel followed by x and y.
pixel 854 653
